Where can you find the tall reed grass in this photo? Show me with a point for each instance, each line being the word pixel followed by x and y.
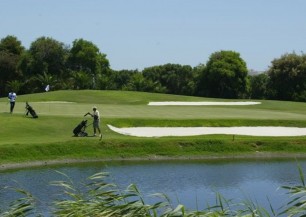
pixel 97 198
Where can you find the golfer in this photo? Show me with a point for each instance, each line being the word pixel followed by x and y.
pixel 12 98
pixel 96 121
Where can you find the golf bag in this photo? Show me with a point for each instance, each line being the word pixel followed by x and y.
pixel 80 129
pixel 30 110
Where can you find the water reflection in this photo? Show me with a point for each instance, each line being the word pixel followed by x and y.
pixel 193 183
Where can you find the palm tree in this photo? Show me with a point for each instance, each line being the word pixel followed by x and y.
pixel 81 80
pixel 45 79
pixel 14 85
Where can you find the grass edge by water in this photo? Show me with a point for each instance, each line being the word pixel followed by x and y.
pixel 151 149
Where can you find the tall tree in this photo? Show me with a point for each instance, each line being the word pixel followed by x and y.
pixel 85 56
pixel 11 50
pixel 49 56
pixel 225 76
pixel 288 77
pixel 11 45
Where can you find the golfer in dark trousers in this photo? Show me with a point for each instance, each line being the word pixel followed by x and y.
pixel 12 98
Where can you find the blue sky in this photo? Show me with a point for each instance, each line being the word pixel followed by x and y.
pixel 135 34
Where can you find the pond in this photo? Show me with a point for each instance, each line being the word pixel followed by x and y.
pixel 193 183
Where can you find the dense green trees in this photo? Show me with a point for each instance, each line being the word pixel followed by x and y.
pixel 47 55
pixel 10 55
pixel 49 62
pixel 85 56
pixel 258 86
pixel 171 78
pixel 225 76
pixel 84 66
pixel 45 63
pixel 87 65
pixel 288 77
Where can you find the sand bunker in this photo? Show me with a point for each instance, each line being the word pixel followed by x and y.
pixel 195 131
pixel 201 103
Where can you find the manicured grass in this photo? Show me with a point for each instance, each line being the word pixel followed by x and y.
pixel 50 136
pixel 106 97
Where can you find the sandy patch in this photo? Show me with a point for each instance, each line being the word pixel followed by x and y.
pixel 201 103
pixel 195 131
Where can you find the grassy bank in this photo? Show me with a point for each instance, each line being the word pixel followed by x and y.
pixel 49 137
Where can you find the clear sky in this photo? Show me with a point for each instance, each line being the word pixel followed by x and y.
pixel 135 34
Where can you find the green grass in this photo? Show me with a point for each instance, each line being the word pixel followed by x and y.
pixel 50 136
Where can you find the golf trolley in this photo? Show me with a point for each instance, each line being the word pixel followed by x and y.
pixel 29 109
pixel 79 130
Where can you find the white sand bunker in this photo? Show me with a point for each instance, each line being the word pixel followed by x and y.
pixel 201 103
pixel 195 131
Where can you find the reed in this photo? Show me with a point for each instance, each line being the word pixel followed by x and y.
pixel 98 197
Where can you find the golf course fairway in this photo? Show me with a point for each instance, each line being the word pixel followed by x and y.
pixel 48 138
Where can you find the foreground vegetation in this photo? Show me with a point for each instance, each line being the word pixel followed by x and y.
pixel 99 198
pixel 49 137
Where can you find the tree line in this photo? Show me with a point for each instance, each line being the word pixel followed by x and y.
pixel 83 66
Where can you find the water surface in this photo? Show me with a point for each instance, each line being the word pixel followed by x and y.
pixel 192 183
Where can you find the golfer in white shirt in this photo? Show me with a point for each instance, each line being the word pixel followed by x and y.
pixel 12 98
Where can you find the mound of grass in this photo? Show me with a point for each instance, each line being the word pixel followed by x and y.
pixel 104 97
